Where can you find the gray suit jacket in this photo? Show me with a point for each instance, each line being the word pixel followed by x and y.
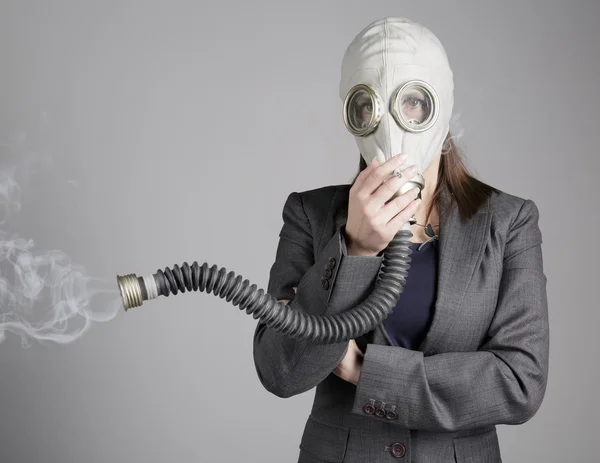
pixel 483 362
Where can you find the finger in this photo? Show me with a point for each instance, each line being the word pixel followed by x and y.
pixel 393 207
pixel 285 301
pixel 391 186
pixel 359 353
pixel 381 173
pixel 399 220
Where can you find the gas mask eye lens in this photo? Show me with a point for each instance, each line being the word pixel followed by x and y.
pixel 415 106
pixel 361 110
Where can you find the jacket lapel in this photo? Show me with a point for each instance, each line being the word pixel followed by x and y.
pixel 461 244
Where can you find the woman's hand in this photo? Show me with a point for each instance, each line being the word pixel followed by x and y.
pixel 287 301
pixel 349 368
pixel 374 219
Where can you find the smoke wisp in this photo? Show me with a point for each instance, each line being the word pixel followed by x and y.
pixel 43 295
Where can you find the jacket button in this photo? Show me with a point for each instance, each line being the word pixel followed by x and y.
pixel 332 262
pixel 391 415
pixel 398 450
pixel 328 273
pixel 325 283
pixel 380 412
pixel 369 409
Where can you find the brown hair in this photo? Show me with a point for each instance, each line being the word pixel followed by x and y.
pixel 468 192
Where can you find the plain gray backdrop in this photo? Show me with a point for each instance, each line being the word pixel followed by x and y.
pixel 152 133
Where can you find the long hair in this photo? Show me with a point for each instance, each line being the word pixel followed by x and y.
pixel 468 192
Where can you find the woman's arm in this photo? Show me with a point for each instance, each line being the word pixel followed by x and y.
pixel 504 382
pixel 332 284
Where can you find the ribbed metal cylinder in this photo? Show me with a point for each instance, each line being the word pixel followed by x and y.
pixel 131 291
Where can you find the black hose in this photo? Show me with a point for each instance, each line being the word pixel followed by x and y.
pixel 297 324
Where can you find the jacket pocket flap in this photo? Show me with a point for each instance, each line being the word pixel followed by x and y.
pixel 324 440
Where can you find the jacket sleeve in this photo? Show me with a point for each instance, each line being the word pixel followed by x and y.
pixel 503 382
pixel 328 284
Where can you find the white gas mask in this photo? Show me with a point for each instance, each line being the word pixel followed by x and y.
pixel 397 88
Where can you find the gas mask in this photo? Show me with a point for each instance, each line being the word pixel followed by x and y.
pixel 397 88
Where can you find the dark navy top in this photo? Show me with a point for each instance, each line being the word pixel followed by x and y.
pixel 408 324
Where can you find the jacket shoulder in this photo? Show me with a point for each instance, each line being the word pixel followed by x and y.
pixel 320 199
pixel 320 192
pixel 506 207
pixel 319 204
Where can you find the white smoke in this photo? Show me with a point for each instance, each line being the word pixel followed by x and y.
pixel 43 295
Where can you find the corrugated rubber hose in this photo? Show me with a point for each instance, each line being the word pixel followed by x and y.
pixel 297 324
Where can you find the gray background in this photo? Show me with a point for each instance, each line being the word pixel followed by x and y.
pixel 162 132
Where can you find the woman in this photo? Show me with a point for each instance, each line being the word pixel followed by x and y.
pixel 467 346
